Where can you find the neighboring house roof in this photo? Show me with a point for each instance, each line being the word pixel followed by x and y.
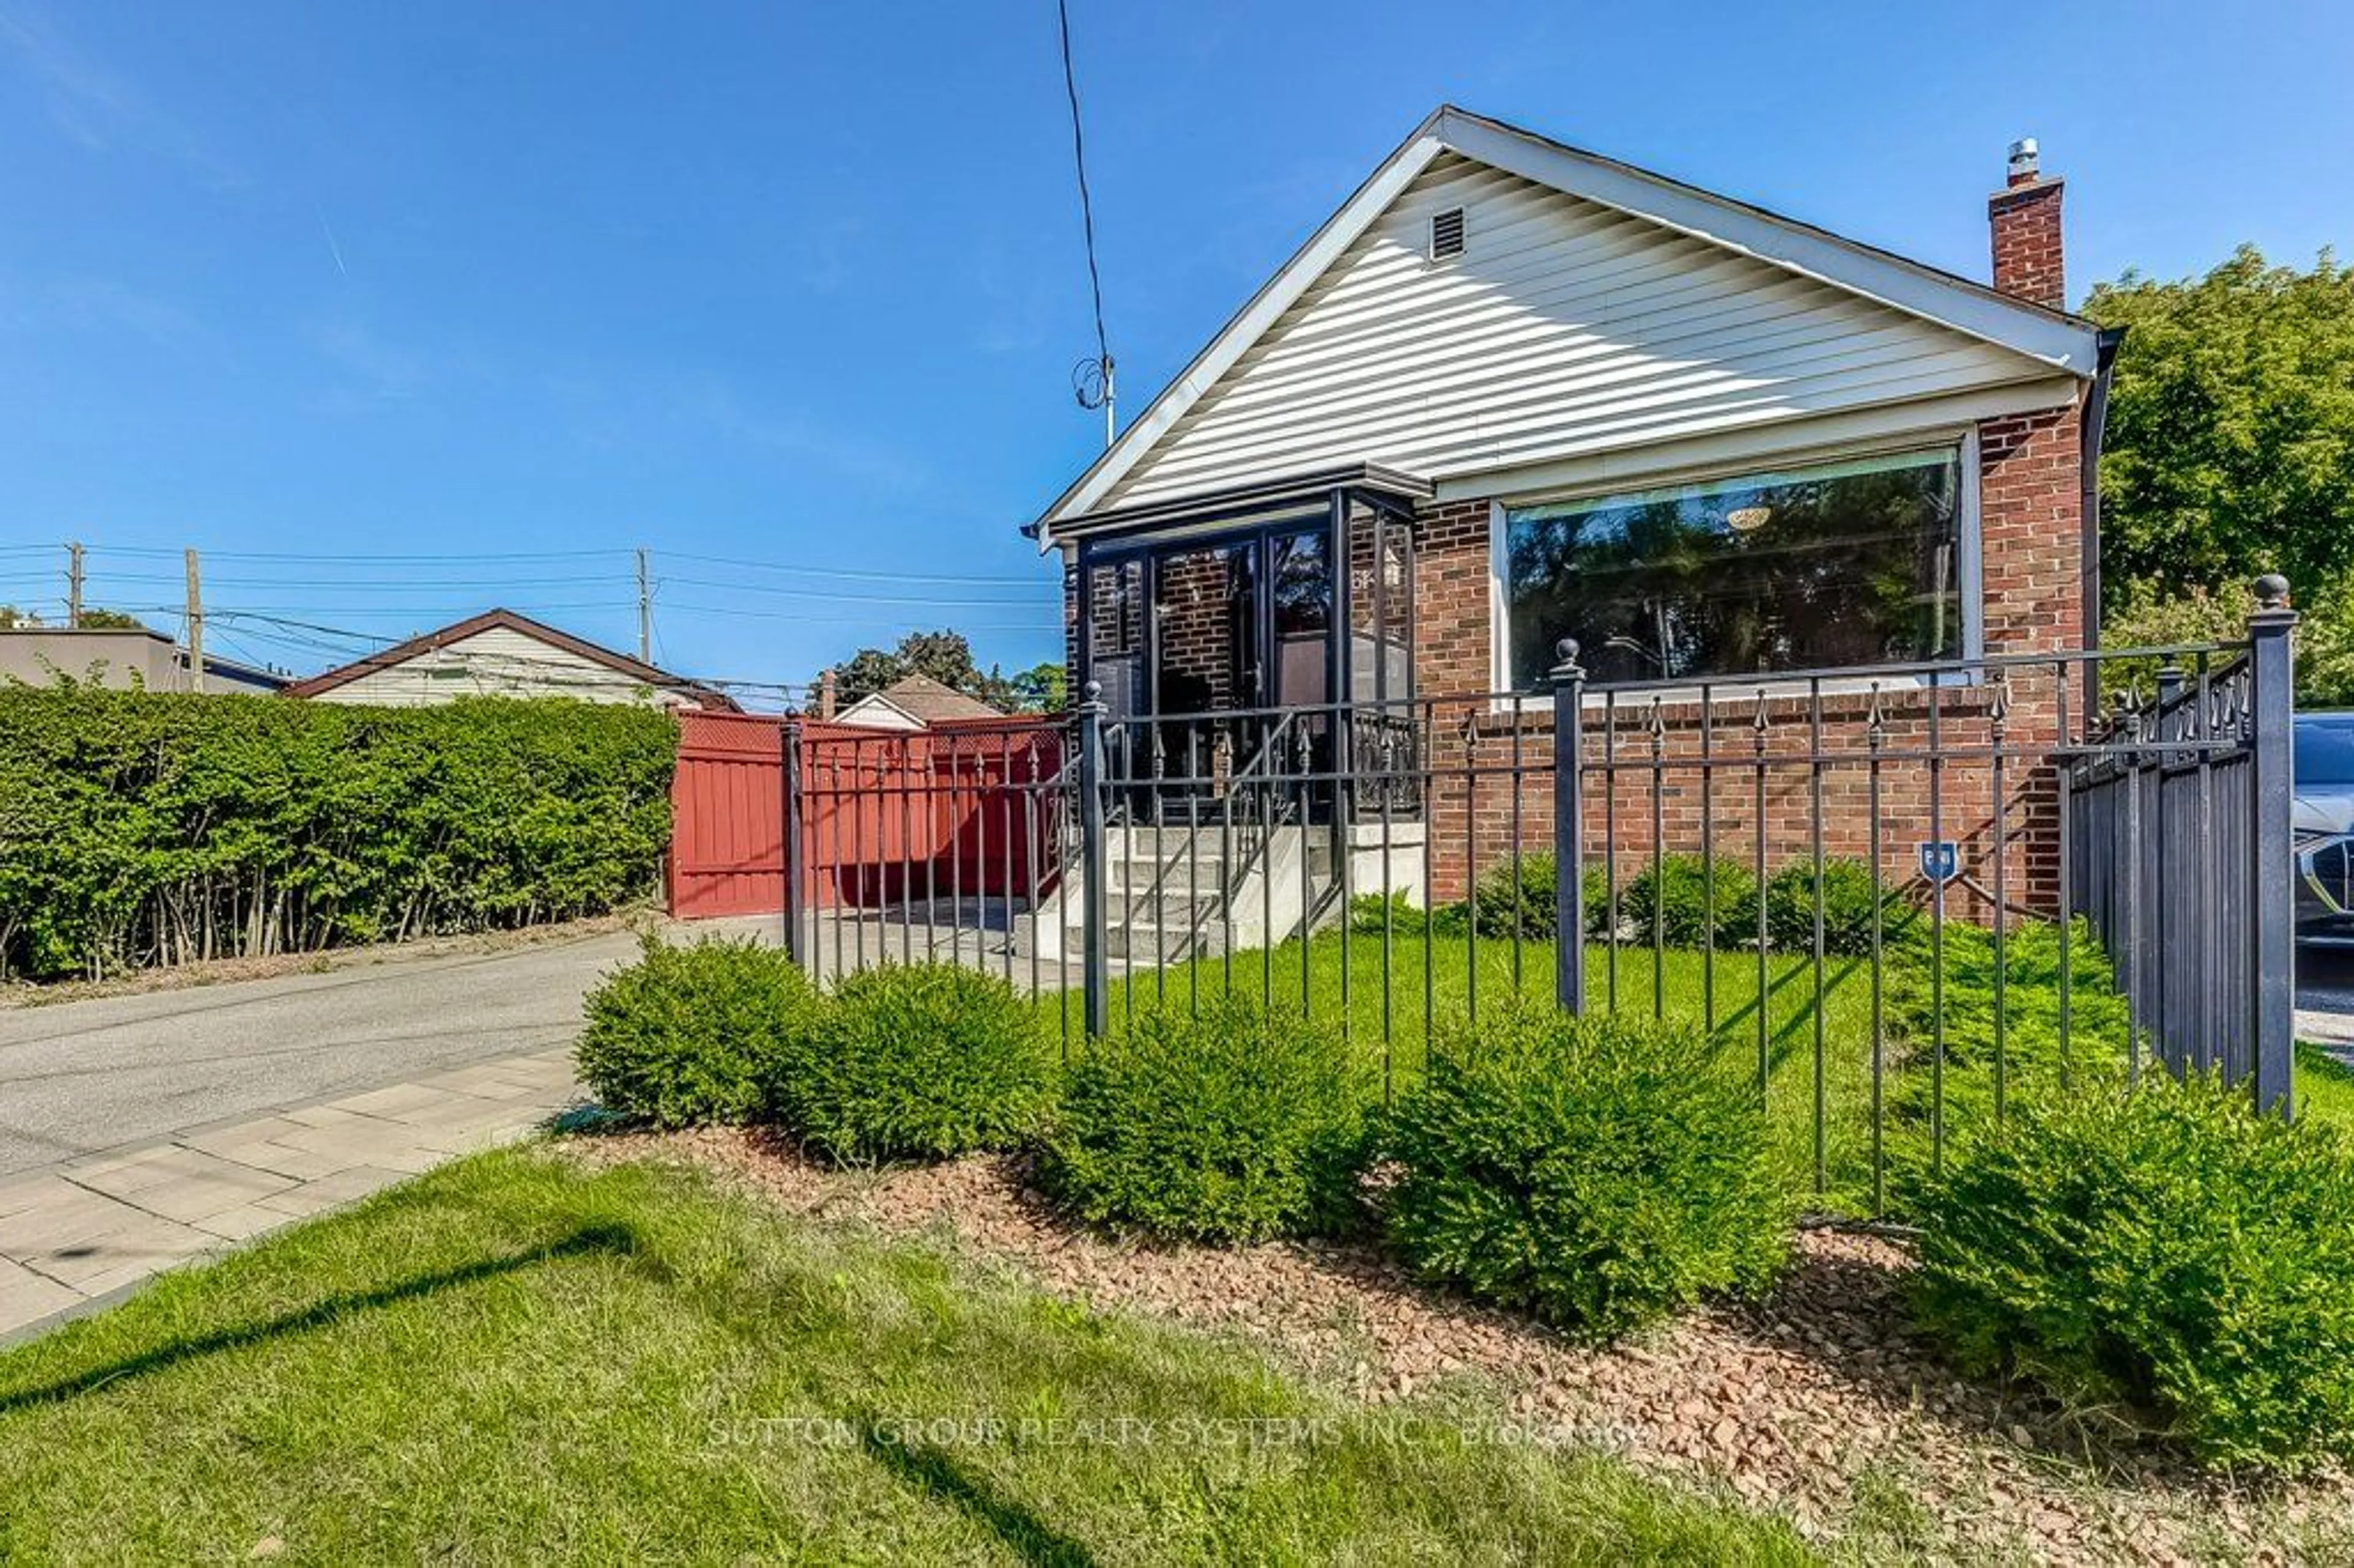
pixel 919 700
pixel 38 655
pixel 1992 337
pixel 523 625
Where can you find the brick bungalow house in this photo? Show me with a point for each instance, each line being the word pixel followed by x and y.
pixel 1530 393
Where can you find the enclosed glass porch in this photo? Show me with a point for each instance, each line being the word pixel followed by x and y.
pixel 1272 633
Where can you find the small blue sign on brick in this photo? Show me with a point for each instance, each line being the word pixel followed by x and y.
pixel 1941 861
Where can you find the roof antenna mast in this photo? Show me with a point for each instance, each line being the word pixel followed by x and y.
pixel 1091 379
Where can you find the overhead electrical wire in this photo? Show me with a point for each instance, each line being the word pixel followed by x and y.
pixel 795 567
pixel 294 556
pixel 1087 199
pixel 311 587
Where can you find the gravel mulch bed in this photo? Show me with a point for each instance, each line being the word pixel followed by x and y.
pixel 1818 1402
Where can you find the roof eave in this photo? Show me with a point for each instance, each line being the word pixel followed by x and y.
pixel 2053 338
pixel 1260 495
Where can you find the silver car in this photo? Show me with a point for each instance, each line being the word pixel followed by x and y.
pixel 2321 826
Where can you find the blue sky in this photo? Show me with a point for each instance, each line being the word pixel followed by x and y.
pixel 803 284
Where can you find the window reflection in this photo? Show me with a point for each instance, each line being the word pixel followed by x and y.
pixel 1847 564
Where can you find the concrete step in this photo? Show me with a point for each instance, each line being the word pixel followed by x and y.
pixel 1150 942
pixel 1205 878
pixel 1172 907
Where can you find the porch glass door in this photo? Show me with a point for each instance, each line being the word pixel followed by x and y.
pixel 1300 570
pixel 1241 625
pixel 1205 660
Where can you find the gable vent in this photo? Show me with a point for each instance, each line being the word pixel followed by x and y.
pixel 1447 234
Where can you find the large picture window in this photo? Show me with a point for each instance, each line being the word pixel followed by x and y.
pixel 1838 565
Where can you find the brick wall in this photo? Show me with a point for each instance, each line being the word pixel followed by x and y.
pixel 1195 619
pixel 2031 576
pixel 2025 221
pixel 2032 563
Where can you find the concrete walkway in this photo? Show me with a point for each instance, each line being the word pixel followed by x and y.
pixel 83 1231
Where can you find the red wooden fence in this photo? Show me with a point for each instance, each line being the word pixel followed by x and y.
pixel 728 815
pixel 950 811
pixel 884 814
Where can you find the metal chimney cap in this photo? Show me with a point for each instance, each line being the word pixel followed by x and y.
pixel 2023 156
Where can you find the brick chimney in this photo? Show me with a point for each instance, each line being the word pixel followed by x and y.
pixel 825 696
pixel 2025 218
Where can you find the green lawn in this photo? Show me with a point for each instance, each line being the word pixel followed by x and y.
pixel 512 1360
pixel 1392 1026
pixel 1817 1044
pixel 2325 1086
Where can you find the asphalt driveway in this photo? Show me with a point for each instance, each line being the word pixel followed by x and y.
pixel 83 1076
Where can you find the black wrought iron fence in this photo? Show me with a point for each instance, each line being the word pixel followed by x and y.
pixel 1903 894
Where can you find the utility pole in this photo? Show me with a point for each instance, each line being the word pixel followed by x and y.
pixel 646 611
pixel 73 585
pixel 196 627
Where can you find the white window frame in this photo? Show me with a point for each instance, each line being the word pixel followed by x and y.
pixel 1967 669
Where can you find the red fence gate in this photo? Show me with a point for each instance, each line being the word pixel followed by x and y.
pixel 886 815
pixel 727 817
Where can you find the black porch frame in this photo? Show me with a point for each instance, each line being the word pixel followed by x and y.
pixel 1251 515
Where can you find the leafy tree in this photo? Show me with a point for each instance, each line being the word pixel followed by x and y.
pixel 12 617
pixel 1043 688
pixel 2230 447
pixel 945 656
pixel 2325 637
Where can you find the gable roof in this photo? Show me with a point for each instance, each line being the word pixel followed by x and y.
pixel 2060 343
pixel 505 619
pixel 929 702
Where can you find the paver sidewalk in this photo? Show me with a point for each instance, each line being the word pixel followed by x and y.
pixel 76 1232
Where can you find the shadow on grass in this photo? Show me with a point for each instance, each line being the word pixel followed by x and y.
pixel 605 1238
pixel 1795 1032
pixel 1029 1537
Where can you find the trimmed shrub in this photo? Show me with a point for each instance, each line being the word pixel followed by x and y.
pixel 2032 1058
pixel 1508 900
pixel 915 1062
pixel 1371 913
pixel 690 1034
pixel 1235 1126
pixel 1851 893
pixel 1599 1173
pixel 1678 889
pixel 2168 1249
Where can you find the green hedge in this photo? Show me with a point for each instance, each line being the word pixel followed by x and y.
pixel 1950 979
pixel 1676 896
pixel 2167 1251
pixel 143 828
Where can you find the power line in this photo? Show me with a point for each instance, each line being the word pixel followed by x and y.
pixel 1079 157
pixel 290 556
pixel 788 568
pixel 838 595
pixel 1046 616
pixel 1103 366
pixel 843 571
pixel 380 585
pixel 483 662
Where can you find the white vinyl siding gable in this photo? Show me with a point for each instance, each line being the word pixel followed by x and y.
pixel 1565 327
pixel 497 662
